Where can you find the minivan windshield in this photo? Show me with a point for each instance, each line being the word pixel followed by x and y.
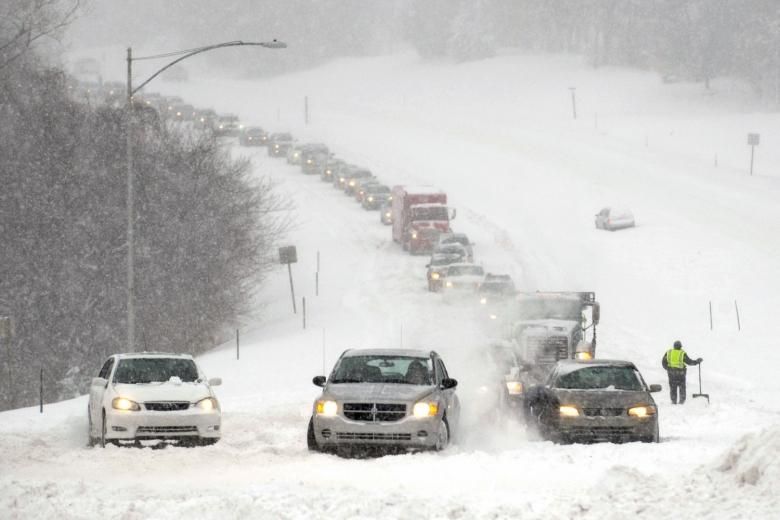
pixel 383 369
pixel 155 370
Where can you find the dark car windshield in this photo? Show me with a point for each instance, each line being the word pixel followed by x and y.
pixel 155 370
pixel 601 378
pixel 383 369
pixel 456 239
pixel 282 137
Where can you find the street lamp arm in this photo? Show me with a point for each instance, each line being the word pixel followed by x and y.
pixel 271 45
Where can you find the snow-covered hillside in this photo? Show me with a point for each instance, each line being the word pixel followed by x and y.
pixel 526 178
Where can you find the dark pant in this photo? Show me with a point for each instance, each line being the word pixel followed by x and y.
pixel 677 383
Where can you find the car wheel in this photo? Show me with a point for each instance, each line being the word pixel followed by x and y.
pixel 103 430
pixel 311 440
pixel 92 440
pixel 207 441
pixel 443 437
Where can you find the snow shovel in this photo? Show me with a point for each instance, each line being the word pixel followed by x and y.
pixel 706 396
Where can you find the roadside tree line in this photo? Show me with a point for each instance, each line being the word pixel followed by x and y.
pixel 205 230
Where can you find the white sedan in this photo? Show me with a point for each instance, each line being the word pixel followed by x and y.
pixel 612 219
pixel 153 396
pixel 462 279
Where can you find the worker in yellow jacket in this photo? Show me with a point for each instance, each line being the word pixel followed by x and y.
pixel 674 362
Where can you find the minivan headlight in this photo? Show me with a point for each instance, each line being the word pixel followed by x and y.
pixel 208 404
pixel 425 409
pixel 327 408
pixel 122 403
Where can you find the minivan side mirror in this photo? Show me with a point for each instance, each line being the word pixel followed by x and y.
pixel 448 383
pixel 99 381
pixel 655 388
pixel 215 381
pixel 319 381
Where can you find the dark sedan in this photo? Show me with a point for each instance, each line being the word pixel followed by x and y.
pixel 595 400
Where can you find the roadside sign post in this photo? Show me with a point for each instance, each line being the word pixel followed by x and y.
pixel 753 141
pixel 289 255
pixel 6 333
pixel 573 102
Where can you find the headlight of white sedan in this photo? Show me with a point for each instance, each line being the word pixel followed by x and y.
pixel 208 404
pixel 425 409
pixel 121 403
pixel 641 411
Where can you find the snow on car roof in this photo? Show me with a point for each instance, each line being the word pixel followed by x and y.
pixel 428 205
pixel 387 352
pixel 570 365
pixel 421 190
pixel 152 354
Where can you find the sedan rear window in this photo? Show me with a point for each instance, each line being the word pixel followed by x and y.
pixel 601 378
pixel 155 370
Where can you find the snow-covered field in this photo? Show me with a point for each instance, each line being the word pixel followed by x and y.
pixel 498 136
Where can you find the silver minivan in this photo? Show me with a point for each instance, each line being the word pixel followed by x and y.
pixel 387 398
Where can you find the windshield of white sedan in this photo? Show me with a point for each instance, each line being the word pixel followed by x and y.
pixel 158 370
pixel 601 378
pixel 384 369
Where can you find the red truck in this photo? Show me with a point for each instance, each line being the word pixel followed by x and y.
pixel 420 214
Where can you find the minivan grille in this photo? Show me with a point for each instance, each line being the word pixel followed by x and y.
pixel 603 412
pixel 368 436
pixel 374 412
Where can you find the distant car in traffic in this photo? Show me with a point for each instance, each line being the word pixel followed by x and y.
pixel 375 196
pixel 183 112
pixel 228 125
pixel 386 213
pixel 279 143
pixel 331 168
pixel 294 154
pixel 386 399
pixel 352 177
pixel 613 219
pixel 462 278
pixel 496 287
pixel 441 258
pixel 459 238
pixel 360 188
pixel 153 396
pixel 595 400
pixel 253 136
pixel 313 156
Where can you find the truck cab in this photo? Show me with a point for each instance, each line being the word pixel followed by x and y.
pixel 420 215
pixel 549 327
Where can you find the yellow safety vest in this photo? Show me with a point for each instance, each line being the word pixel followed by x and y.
pixel 675 358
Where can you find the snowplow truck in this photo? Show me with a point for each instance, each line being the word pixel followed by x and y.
pixel 420 215
pixel 550 326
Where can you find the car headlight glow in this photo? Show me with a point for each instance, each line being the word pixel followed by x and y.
pixel 352 183
pixel 308 161
pixel 208 404
pixel 121 403
pixel 370 199
pixel 483 300
pixel 422 410
pixel 414 236
pixel 327 408
pixel 435 276
pixel 641 411
pixel 387 214
pixel 584 355
pixel 568 411
pixel 514 387
pixel 448 284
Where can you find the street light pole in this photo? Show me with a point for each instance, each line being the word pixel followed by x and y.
pixel 130 209
pixel 129 159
